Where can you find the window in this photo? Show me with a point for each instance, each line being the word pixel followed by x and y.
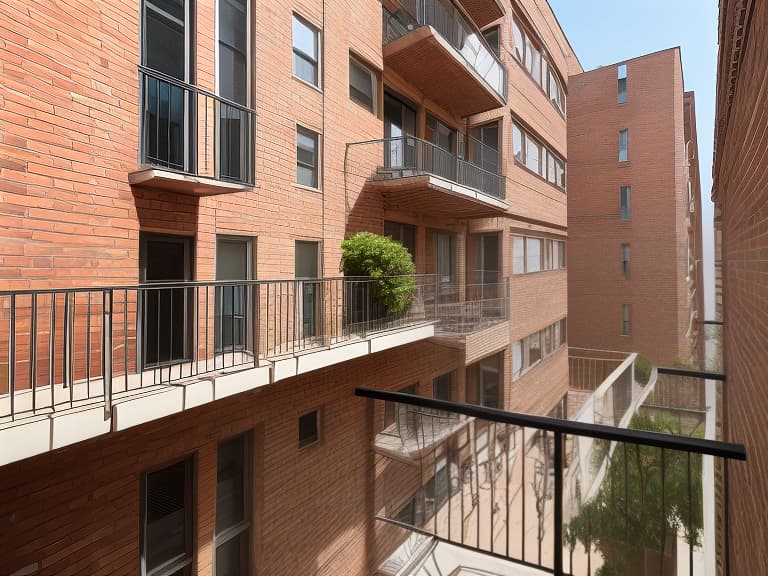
pixel 625 260
pixel 306 51
pixel 233 50
pixel 492 37
pixel 166 27
pixel 529 351
pixel 517 142
pixel 532 155
pixel 623 145
pixel 484 382
pixel 307 157
pixel 622 82
pixel 537 158
pixel 533 254
pixel 517 37
pixel 362 85
pixel 309 428
pixel 626 320
pixel 484 147
pixel 535 60
pixel 530 254
pixel 233 503
pixel 403 233
pixel 625 202
pixel 442 387
pixel 166 545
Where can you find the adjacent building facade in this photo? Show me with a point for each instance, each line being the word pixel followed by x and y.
pixel 178 350
pixel 634 218
pixel 739 194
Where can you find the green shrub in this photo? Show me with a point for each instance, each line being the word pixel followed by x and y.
pixel 368 254
pixel 642 369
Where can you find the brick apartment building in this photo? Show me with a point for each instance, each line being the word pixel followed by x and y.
pixel 179 353
pixel 739 194
pixel 634 217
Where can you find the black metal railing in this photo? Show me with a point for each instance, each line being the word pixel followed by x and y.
pixel 445 18
pixel 407 156
pixel 187 129
pixel 512 486
pixel 64 348
pixel 468 308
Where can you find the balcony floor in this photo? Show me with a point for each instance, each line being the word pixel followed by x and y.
pixel 429 194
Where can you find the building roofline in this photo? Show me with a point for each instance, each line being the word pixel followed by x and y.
pixel 670 49
pixel 567 40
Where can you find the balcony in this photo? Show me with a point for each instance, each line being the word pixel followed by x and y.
pixel 512 494
pixel 192 141
pixel 432 46
pixel 77 363
pixel 474 317
pixel 417 176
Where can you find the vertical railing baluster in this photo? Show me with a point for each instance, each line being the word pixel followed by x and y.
pixel 207 314
pixel 65 357
pixel 52 343
pixel 558 531
pixel 522 492
pixel 107 302
pixel 691 528
pixel 233 325
pixel 196 338
pixel 125 338
pixel 33 349
pixel 12 355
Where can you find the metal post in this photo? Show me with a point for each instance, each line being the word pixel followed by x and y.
pixel 106 350
pixel 558 551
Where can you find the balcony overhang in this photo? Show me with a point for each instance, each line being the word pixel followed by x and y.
pixel 426 60
pixel 483 12
pixel 478 343
pixel 170 181
pixel 430 194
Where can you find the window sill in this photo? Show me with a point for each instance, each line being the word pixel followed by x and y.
pixel 309 84
pixel 624 163
pixel 307 188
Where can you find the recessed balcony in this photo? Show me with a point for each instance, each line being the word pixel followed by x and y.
pixel 192 141
pixel 414 175
pixel 431 45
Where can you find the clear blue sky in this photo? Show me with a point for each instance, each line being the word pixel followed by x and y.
pixel 607 31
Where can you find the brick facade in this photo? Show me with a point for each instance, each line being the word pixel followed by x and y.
pixel 739 193
pixel 70 117
pixel 657 231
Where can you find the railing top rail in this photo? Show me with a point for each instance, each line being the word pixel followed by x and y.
pixel 692 373
pixel 192 88
pixel 599 431
pixel 430 144
pixel 202 284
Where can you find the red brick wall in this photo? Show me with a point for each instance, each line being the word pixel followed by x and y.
pixel 653 114
pixel 76 510
pixel 740 193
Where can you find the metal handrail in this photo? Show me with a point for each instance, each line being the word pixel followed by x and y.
pixel 412 153
pixel 716 448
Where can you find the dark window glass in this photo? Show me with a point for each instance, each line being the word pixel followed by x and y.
pixel 442 387
pixel 492 37
pixel 308 429
pixel 403 233
pixel 167 516
pixel 306 157
pixel 362 85
pixel 164 38
pixel 625 202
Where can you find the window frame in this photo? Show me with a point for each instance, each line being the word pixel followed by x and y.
pixel 307 444
pixel 295 51
pixel 626 256
pixel 552 255
pixel 550 339
pixel 626 320
pixel 245 525
pixel 374 76
pixel 625 214
pixel 185 561
pixel 624 142
pixel 248 50
pixel 545 152
pixel 306 131
pixel 621 84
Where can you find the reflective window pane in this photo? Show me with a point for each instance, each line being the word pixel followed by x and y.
pixel 230 487
pixel 362 85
